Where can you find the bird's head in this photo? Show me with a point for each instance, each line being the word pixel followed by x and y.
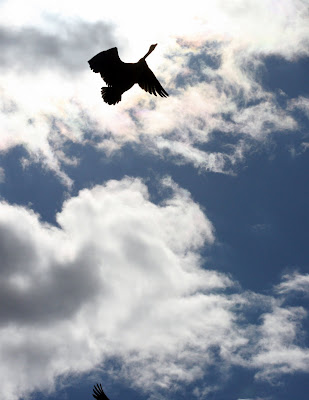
pixel 151 49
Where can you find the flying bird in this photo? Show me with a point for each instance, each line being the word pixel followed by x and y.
pixel 121 76
pixel 98 393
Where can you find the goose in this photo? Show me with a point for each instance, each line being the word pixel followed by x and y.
pixel 121 76
pixel 98 393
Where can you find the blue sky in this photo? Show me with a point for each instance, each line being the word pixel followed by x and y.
pixel 158 246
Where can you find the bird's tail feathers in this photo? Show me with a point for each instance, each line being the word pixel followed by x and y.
pixel 110 95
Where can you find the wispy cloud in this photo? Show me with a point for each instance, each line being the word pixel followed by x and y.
pixel 294 282
pixel 278 352
pixel 209 59
pixel 257 398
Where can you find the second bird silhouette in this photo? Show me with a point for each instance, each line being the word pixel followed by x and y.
pixel 98 393
pixel 121 76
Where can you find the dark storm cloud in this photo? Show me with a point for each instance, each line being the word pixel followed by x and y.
pixel 30 49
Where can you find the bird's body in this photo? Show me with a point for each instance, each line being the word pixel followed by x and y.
pixel 121 76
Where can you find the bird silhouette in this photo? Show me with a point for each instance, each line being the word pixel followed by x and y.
pixel 121 76
pixel 98 393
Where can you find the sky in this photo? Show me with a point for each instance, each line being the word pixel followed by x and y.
pixel 158 246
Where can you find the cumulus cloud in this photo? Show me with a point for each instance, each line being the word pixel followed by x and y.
pixel 80 294
pixel 122 278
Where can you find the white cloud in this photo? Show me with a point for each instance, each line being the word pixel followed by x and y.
pixel 300 103
pixel 277 350
pixel 305 146
pixel 122 277
pixel 294 282
pixel 257 398
pixel 133 265
pixel 64 108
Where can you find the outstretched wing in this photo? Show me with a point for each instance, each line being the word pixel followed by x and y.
pixel 98 393
pixel 149 82
pixel 107 63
